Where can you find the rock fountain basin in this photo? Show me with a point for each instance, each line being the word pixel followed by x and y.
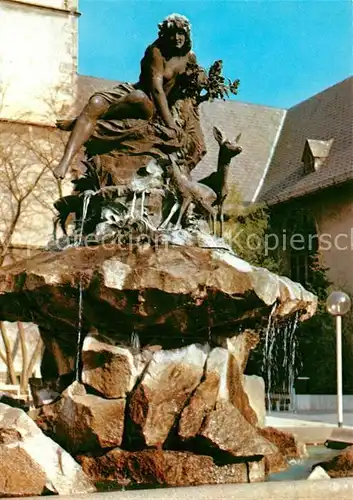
pixel 160 396
pixel 174 291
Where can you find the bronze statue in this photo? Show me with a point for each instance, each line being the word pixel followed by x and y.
pixel 166 59
pixel 219 181
pixel 188 191
pixel 133 135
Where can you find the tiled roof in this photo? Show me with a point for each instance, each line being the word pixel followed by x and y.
pixel 259 126
pixel 327 115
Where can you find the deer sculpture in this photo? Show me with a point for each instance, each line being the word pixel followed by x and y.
pixel 188 191
pixel 218 181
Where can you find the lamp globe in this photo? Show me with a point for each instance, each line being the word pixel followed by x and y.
pixel 338 303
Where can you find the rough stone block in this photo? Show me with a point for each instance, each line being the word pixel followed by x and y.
pixel 111 370
pixel 30 461
pixel 83 422
pixel 166 385
pixel 227 430
pixel 254 388
pixel 168 468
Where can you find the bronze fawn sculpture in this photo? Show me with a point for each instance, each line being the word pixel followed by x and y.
pixel 218 181
pixel 188 191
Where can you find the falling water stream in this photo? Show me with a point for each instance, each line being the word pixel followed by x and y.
pixel 279 356
pixel 86 199
pixel 79 331
pixel 135 340
pixel 292 351
pixel 87 195
pixel 267 353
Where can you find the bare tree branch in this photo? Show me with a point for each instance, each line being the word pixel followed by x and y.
pixel 28 155
pixel 36 355
pixel 9 359
pixel 3 358
pixel 15 346
pixel 24 352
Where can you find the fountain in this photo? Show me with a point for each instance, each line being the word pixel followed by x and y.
pixel 279 344
pixel 148 318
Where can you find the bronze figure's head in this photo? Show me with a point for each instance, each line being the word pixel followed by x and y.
pixel 175 32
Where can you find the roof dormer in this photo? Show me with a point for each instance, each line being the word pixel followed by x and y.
pixel 315 154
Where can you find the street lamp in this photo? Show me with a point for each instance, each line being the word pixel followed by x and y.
pixel 338 304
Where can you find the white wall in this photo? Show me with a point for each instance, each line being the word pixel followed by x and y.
pixel 38 60
pixel 321 402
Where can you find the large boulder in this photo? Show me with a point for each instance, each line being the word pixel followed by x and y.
pixel 165 387
pixel 225 432
pixel 339 466
pixel 168 468
pixel 222 381
pixel 83 422
pixel 20 475
pixel 164 294
pixel 254 388
pixel 201 404
pixel 237 395
pixel 240 346
pixel 225 428
pixel 286 442
pixel 31 462
pixel 111 370
pixel 287 445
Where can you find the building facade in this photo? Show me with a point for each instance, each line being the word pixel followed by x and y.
pixel 311 172
pixel 296 161
pixel 38 59
pixel 38 81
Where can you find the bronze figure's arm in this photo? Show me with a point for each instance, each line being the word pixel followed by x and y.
pixel 201 73
pixel 156 76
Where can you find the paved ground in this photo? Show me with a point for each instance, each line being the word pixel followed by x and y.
pixel 307 419
pixel 332 489
pixel 313 427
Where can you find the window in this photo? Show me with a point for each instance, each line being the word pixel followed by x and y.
pixel 315 154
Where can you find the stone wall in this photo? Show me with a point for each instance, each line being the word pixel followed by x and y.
pixel 334 218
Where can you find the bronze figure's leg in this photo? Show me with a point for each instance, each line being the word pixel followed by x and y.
pixel 184 206
pixel 174 209
pixel 83 129
pixel 134 105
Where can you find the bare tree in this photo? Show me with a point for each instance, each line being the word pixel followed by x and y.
pixel 28 154
pixel 25 335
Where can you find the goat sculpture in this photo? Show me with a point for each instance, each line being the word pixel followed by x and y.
pixel 218 181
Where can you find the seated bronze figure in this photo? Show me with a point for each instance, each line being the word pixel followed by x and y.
pixel 151 98
pixel 125 129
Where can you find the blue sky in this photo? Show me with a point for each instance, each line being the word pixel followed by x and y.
pixel 283 51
